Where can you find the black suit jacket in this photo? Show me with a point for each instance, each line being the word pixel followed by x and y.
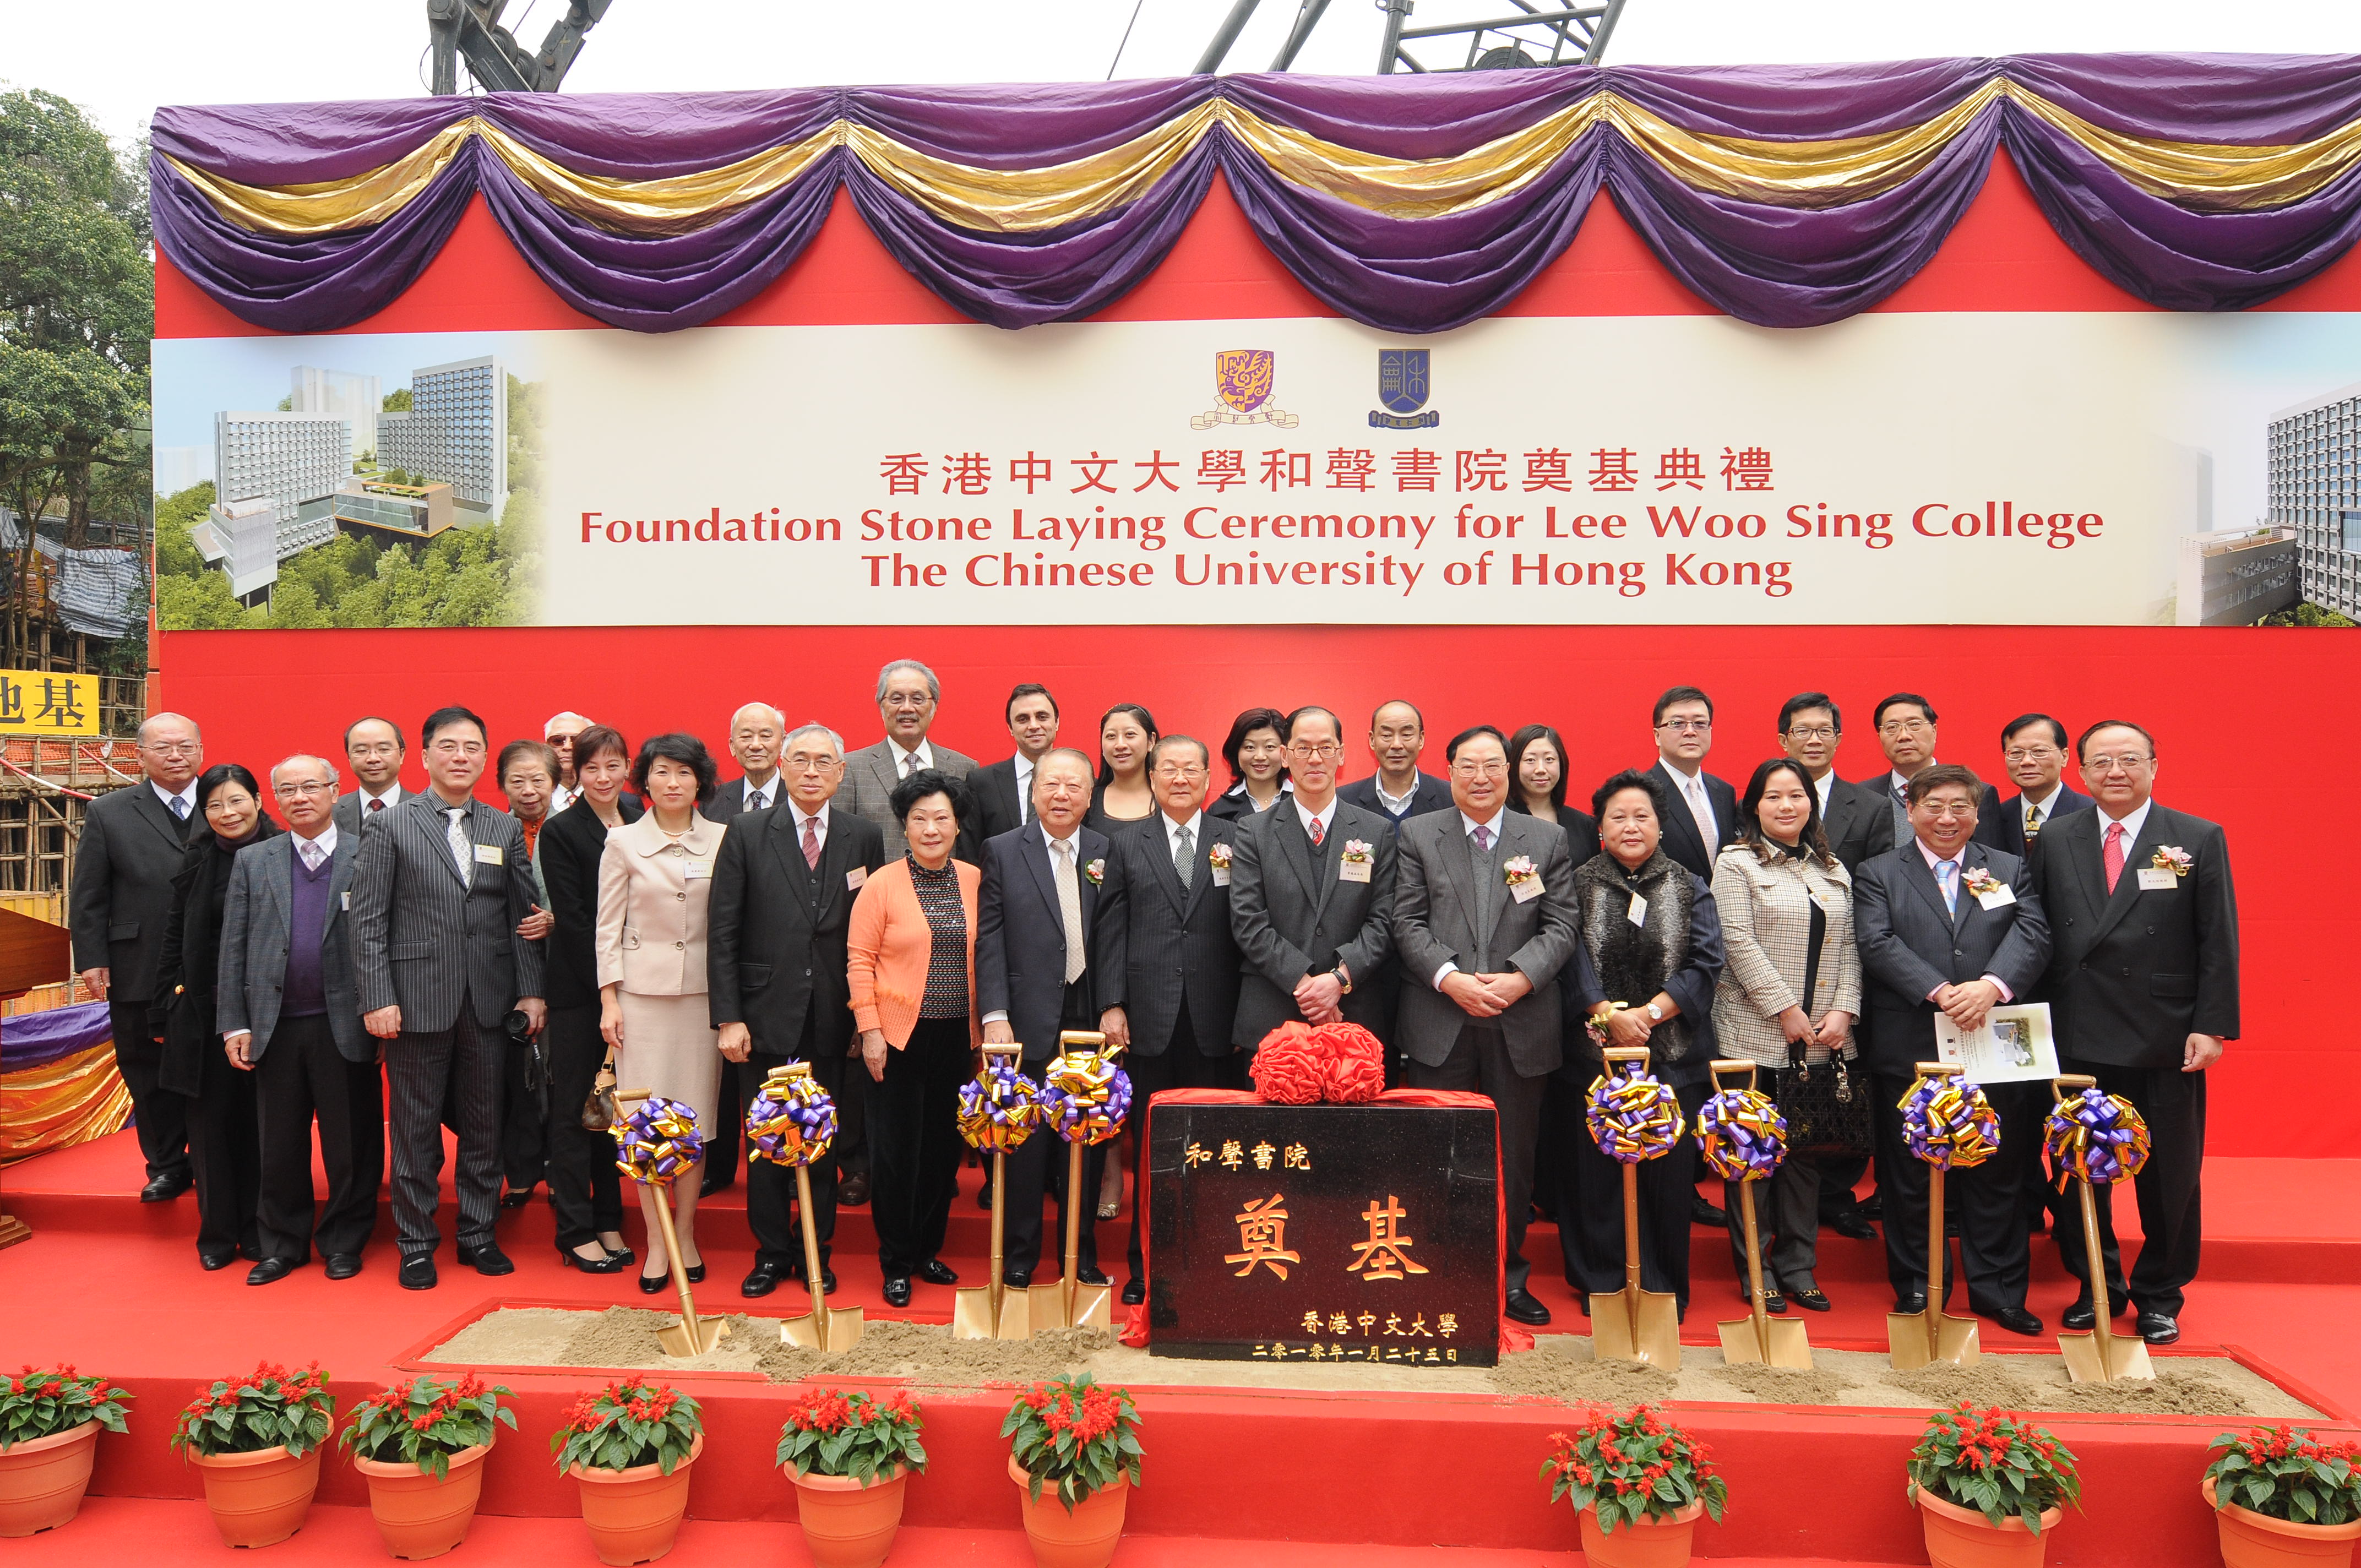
pixel 1174 945
pixel 1020 935
pixel 774 929
pixel 1431 795
pixel 571 845
pixel 1859 822
pixel 1910 944
pixel 2001 823
pixel 2134 974
pixel 1680 829
pixel 121 895
pixel 729 800
pixel 998 808
pixel 1294 915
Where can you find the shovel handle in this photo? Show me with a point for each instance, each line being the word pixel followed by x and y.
pixel 680 1274
pixel 1074 1196
pixel 1755 1269
pixel 1936 1250
pixel 1625 1053
pixel 1084 1039
pixel 1724 1065
pixel 2094 1264
pixel 994 1288
pixel 811 1254
pixel 1632 1244
pixel 1939 1069
pixel 1011 1049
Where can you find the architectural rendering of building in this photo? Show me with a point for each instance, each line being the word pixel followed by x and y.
pixel 286 460
pixel 2314 462
pixel 456 430
pixel 318 392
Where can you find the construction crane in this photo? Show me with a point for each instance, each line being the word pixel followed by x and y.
pixel 495 60
pixel 1539 35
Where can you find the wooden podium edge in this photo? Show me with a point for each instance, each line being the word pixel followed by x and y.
pixel 14 1230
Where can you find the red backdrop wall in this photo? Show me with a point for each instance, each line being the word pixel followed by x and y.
pixel 2253 725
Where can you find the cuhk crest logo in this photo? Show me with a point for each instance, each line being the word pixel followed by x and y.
pixel 1403 385
pixel 1243 378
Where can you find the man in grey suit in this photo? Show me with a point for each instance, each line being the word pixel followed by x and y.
pixel 289 1013
pixel 1312 896
pixel 374 748
pixel 131 847
pixel 907 697
pixel 443 885
pixel 1484 919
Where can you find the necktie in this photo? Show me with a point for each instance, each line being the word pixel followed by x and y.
pixel 376 805
pixel 2112 855
pixel 1069 903
pixel 461 851
pixel 1946 873
pixel 2032 823
pixel 1318 832
pixel 1184 854
pixel 909 765
pixel 1483 836
pixel 758 800
pixel 179 809
pixel 1024 801
pixel 1700 808
pixel 812 842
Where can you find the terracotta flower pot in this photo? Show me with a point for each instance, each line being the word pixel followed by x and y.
pixel 1085 1538
pixel 2250 1539
pixel 633 1515
pixel 847 1524
pixel 260 1498
pixel 1963 1538
pixel 418 1514
pixel 1642 1544
pixel 42 1479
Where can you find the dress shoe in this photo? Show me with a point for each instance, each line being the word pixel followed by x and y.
pixel 1521 1306
pixel 1872 1207
pixel 605 1263
pixel 1017 1278
pixel 2158 1327
pixel 694 1274
pixel 1850 1223
pixel 2016 1321
pixel 1910 1306
pixel 935 1271
pixel 1812 1300
pixel 344 1264
pixel 2082 1317
pixel 852 1191
pixel 1773 1300
pixel 761 1281
pixel 983 1196
pixel 620 1253
pixel 516 1198
pixel 216 1257
pixel 418 1271
pixel 1135 1291
pixel 1704 1213
pixel 269 1271
pixel 651 1283
pixel 164 1189
pixel 486 1258
pixel 1089 1275
pixel 898 1290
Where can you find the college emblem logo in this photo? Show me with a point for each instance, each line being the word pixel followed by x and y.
pixel 1403 385
pixel 1243 377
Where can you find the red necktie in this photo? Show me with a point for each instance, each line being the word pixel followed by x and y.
pixel 1318 832
pixel 812 842
pixel 377 806
pixel 2111 856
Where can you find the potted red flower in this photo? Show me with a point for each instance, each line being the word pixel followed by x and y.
pixel 850 1458
pixel 256 1440
pixel 1639 1484
pixel 49 1436
pixel 629 1447
pixel 422 1446
pixel 2281 1496
pixel 1989 1487
pixel 1081 1442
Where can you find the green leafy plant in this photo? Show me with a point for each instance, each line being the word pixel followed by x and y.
pixel 424 1422
pixel 269 1409
pixel 1631 1466
pixel 1999 1464
pixel 2285 1473
pixel 626 1425
pixel 853 1435
pixel 43 1404
pixel 1075 1436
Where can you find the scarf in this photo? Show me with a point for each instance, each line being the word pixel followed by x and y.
pixel 1634 962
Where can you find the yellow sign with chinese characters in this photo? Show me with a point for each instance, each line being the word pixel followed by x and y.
pixel 49 702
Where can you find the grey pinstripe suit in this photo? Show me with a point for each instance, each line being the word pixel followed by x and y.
pixel 445 950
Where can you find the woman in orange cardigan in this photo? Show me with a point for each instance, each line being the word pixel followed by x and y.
pixel 911 945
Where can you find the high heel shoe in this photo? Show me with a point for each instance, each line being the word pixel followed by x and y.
pixel 694 1274
pixel 651 1283
pixel 607 1263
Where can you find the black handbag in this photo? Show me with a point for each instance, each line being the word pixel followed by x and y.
pixel 1826 1105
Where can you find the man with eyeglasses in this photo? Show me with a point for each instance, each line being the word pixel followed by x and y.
pixel 1948 925
pixel 1311 895
pixel 907 695
pixel 2143 990
pixel 374 749
pixel 289 1013
pixel 1905 731
pixel 1704 816
pixel 1171 964
pixel 1852 815
pixel 121 896
pixel 2033 745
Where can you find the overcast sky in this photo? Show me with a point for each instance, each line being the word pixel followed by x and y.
pixel 122 58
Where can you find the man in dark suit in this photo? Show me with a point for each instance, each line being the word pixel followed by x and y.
pixel 1312 896
pixel 1906 732
pixel 2144 990
pixel 1171 966
pixel 1045 916
pixel 442 887
pixel 1700 819
pixel 289 1013
pixel 783 883
pixel 1948 924
pixel 375 750
pixel 2033 745
pixel 1004 790
pixel 1483 917
pixel 1398 789
pixel 121 897
pixel 756 733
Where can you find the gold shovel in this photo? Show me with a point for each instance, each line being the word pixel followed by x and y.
pixel 824 1327
pixel 2097 1356
pixel 692 1335
pixel 1921 1339
pixel 1070 1304
pixel 1632 1325
pixel 1757 1339
pixel 992 1311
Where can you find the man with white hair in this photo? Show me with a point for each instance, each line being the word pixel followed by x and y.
pixel 907 697
pixel 289 1013
pixel 756 731
pixel 560 732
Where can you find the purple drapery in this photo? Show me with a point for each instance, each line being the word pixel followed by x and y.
pixel 1774 264
pixel 33 1039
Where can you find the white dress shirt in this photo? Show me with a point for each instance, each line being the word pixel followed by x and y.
pixel 1700 804
pixel 1468 824
pixel 1327 817
pixel 756 796
pixel 316 850
pixel 1395 804
pixel 924 756
pixel 1959 863
pixel 1195 826
pixel 560 797
pixel 1826 784
pixel 2046 806
pixel 818 818
pixel 187 798
pixel 2132 826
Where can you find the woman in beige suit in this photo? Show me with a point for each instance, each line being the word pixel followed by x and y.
pixel 1789 992
pixel 654 879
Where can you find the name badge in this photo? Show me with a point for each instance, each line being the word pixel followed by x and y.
pixel 491 855
pixel 855 877
pixel 2155 878
pixel 1221 876
pixel 1639 915
pixel 695 870
pixel 1527 890
pixel 348 903
pixel 1353 870
pixel 1998 898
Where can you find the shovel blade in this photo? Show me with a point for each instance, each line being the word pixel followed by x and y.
pixel 1656 1339
pixel 2088 1360
pixel 1790 1345
pixel 844 1328
pixel 1956 1341
pixel 1739 1346
pixel 692 1338
pixel 970 1313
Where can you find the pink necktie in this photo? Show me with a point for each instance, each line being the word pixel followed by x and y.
pixel 1483 841
pixel 812 842
pixel 1318 832
pixel 2111 856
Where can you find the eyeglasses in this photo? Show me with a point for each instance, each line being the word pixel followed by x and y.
pixel 1326 751
pixel 457 747
pixel 2031 754
pixel 290 791
pixel 1904 727
pixel 1812 733
pixel 1489 770
pixel 805 762
pixel 2130 764
pixel 1179 770
pixel 172 747
pixel 1946 813
pixel 908 699
pixel 1687 726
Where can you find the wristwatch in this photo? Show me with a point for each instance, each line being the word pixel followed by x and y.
pixel 1344 979
pixel 1655 1014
